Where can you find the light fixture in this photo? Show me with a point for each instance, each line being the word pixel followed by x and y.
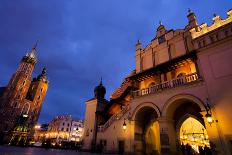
pixel 25 115
pixel 209 118
pixel 208 114
pixel 37 126
pixel 124 125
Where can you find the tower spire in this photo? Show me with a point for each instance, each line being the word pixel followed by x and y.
pixel 101 81
pixel 34 50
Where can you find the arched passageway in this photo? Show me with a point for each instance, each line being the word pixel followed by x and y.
pixel 189 132
pixel 147 139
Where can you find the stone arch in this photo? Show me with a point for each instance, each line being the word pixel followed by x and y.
pixel 175 101
pixel 146 128
pixel 146 104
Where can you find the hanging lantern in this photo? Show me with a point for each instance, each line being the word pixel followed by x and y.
pixel 209 118
pixel 124 125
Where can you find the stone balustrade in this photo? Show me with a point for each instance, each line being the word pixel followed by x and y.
pixel 180 81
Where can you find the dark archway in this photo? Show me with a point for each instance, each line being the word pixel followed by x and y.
pixel 146 131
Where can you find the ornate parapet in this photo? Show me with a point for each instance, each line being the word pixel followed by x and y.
pixel 217 22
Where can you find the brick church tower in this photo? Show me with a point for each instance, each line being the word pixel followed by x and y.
pixel 21 102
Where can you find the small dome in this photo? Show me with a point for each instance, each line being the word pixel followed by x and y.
pixel 100 91
pixel 42 76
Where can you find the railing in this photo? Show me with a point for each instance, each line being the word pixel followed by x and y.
pixel 113 118
pixel 180 81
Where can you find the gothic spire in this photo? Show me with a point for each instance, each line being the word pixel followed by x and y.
pixel 32 54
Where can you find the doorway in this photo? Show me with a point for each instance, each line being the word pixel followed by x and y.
pixel 121 146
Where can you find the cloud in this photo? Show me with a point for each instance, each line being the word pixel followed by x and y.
pixel 83 40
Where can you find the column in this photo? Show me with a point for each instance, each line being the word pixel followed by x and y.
pixel 167 136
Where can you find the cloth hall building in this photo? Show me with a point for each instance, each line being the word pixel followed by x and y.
pixel 180 93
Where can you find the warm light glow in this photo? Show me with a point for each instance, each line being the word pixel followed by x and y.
pixel 124 125
pixel 37 126
pixel 209 119
pixel 25 115
pixel 192 132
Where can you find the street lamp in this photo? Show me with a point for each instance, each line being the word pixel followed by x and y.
pixel 208 114
pixel 124 125
pixel 37 126
pixel 209 118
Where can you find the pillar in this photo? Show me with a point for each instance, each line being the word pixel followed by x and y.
pixel 167 136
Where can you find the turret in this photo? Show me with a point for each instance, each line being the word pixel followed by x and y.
pixel 38 88
pixel 100 91
pixel 192 21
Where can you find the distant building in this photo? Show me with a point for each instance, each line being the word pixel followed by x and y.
pixel 40 131
pixel 21 101
pixel 65 128
pixel 179 93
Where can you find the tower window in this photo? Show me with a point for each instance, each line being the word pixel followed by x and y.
pixel 41 90
pixel 38 97
pixel 24 82
pixel 161 39
pixel 15 105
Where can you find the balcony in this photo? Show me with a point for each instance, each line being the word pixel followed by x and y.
pixel 177 82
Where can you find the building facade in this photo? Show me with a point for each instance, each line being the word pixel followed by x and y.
pixel 21 102
pixel 65 129
pixel 179 94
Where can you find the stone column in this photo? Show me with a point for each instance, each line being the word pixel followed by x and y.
pixel 167 136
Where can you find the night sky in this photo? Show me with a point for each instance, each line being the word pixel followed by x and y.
pixel 82 40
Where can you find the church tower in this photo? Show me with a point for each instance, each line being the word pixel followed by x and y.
pixel 94 106
pixel 21 101
pixel 16 91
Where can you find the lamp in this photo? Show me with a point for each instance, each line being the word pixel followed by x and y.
pixel 208 114
pixel 209 118
pixel 124 125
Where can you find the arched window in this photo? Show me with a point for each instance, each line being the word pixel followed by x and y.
pixel 16 105
pixel 25 109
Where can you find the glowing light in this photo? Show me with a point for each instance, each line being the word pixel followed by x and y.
pixel 37 126
pixel 124 125
pixel 25 115
pixel 209 118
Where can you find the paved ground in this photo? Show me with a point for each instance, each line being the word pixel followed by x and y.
pixel 11 150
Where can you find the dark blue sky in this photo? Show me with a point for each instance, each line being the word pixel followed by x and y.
pixel 82 40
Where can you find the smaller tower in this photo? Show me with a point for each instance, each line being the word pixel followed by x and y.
pixel 192 20
pixel 36 94
pixel 138 46
pixel 139 50
pixel 94 116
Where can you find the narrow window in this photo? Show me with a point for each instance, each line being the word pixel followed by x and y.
pixel 153 57
pixel 141 64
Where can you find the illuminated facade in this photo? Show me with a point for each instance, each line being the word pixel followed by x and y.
pixel 21 102
pixel 64 128
pixel 179 93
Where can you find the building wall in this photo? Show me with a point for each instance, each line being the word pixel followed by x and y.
pixel 65 128
pixel 213 87
pixel 89 122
